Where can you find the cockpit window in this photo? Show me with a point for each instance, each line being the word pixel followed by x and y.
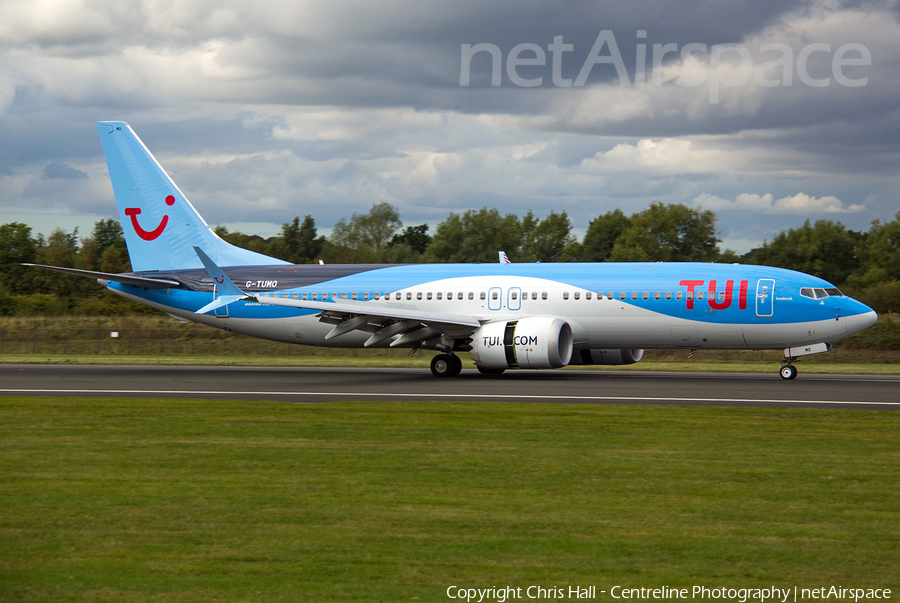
pixel 820 293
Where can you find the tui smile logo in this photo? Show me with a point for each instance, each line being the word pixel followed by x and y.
pixel 148 235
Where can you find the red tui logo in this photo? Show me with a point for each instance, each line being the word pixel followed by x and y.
pixel 148 235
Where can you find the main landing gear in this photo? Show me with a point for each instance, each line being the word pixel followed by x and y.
pixel 788 370
pixel 446 365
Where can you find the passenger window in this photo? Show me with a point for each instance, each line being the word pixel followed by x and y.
pixel 622 295
pixel 515 295
pixel 577 295
pixel 668 295
pixel 419 295
pixel 377 295
pixel 409 295
pixel 483 296
pixel 565 295
pixel 587 295
pixel 314 296
pixel 344 295
pixel 544 295
pixel 460 295
pixel 440 295
pixel 304 296
pixel 366 296
pixel 471 295
pixel 721 295
pixel 690 295
pixel 634 295
pixel 656 295
pixel 495 295
pixel 700 295
pixel 678 296
pixel 646 295
pixel 534 295
pixel 354 296
pixel 295 296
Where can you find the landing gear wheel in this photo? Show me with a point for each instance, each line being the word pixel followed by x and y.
pixel 788 371
pixel 446 365
pixel 457 365
pixel 490 371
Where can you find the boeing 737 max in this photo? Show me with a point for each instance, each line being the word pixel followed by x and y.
pixel 508 315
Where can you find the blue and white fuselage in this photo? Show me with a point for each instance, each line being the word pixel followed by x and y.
pixel 506 315
pixel 608 305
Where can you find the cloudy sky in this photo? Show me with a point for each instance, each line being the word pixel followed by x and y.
pixel 769 112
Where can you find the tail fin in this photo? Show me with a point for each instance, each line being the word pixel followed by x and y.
pixel 161 226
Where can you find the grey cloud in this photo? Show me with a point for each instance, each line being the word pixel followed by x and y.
pixel 62 171
pixel 240 102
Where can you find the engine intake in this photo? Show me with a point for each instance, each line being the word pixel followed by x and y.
pixel 608 357
pixel 540 342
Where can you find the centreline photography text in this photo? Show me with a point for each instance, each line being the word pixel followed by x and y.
pixel 501 594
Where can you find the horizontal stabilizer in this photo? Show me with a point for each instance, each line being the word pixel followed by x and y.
pixel 141 281
pixel 227 290
pixel 223 300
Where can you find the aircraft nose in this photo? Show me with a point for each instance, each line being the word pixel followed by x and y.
pixel 859 317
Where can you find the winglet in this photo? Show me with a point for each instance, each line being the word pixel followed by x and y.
pixel 228 291
pixel 503 258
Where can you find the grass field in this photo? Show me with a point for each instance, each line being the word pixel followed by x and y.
pixel 182 500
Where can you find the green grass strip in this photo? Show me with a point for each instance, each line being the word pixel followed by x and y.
pixel 186 500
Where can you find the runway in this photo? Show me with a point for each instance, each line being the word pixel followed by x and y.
pixel 317 384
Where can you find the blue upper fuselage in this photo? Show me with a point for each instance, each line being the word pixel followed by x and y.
pixel 735 293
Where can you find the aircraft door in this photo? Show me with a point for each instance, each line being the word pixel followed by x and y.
pixel 765 297
pixel 515 298
pixel 495 298
pixel 221 312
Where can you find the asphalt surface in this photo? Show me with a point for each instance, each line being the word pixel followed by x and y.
pixel 363 384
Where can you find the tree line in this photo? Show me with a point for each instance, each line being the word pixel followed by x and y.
pixel 865 264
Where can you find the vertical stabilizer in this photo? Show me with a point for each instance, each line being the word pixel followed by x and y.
pixel 161 226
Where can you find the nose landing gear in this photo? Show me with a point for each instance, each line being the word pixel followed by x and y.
pixel 788 370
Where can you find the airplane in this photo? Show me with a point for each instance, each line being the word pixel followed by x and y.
pixel 507 315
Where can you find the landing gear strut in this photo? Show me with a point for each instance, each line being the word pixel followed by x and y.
pixel 446 365
pixel 788 370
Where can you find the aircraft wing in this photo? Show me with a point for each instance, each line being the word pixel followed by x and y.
pixel 382 319
pixel 141 281
pixel 372 308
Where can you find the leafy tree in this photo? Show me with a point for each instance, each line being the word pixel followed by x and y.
pixel 825 249
pixel 668 233
pixel 602 234
pixel 879 253
pixel 303 246
pixel 545 240
pixel 476 236
pixel 106 240
pixel 416 237
pixel 365 237
pixel 16 245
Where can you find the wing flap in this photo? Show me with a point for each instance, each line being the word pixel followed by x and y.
pixel 375 310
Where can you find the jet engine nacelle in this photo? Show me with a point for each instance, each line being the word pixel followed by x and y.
pixel 539 342
pixel 608 357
